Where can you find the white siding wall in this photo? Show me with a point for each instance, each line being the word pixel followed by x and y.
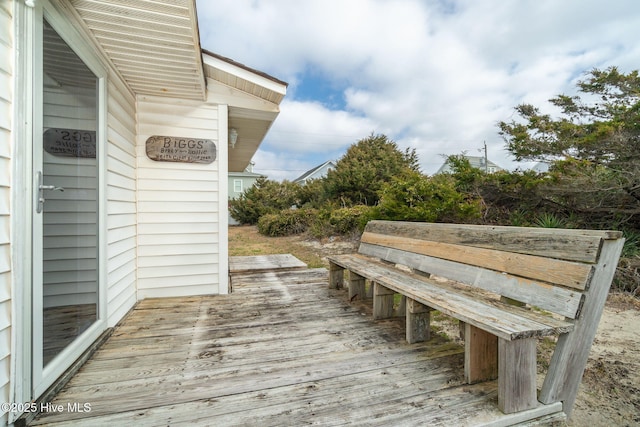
pixel 6 84
pixel 121 201
pixel 178 204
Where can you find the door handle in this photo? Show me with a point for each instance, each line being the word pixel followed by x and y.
pixel 50 187
pixel 41 189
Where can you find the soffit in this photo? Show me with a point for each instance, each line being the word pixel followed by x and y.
pixel 246 79
pixel 253 98
pixel 251 133
pixel 154 45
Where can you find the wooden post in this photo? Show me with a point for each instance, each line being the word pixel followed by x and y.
pixel 572 350
pixel 336 276
pixel 356 286
pixel 517 375
pixel 480 355
pixel 418 321
pixel 370 290
pixel 382 302
pixel 401 309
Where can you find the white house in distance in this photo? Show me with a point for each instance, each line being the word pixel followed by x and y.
pixel 319 171
pixel 239 182
pixel 114 162
pixel 478 162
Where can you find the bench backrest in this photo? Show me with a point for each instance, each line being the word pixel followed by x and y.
pixel 548 268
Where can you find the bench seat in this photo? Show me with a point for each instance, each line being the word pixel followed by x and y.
pixel 502 320
pixel 508 286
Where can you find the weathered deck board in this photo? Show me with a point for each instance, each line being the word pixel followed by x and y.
pixel 281 350
pixel 241 264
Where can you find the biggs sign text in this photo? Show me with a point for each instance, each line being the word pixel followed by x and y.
pixel 178 149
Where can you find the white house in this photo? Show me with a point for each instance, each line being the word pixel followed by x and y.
pixel 477 162
pixel 317 172
pixel 114 162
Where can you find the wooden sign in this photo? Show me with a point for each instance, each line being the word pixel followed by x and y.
pixel 177 149
pixel 70 142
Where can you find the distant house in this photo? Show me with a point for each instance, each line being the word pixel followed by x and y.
pixel 319 171
pixel 475 161
pixel 540 167
pixel 239 182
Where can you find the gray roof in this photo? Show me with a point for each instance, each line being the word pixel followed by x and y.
pixel 311 172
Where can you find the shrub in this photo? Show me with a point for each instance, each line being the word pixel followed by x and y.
pixel 349 220
pixel 286 222
pixel 415 197
pixel 311 194
pixel 365 168
pixel 264 197
pixel 320 228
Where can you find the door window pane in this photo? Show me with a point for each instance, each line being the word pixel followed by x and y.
pixel 70 207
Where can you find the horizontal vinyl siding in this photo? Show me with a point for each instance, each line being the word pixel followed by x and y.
pixel 178 204
pixel 121 201
pixel 6 84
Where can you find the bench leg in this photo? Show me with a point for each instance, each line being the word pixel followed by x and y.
pixel 382 302
pixel 356 286
pixel 517 375
pixel 336 276
pixel 480 355
pixel 369 294
pixel 418 320
pixel 401 309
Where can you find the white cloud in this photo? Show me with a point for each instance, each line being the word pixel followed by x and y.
pixel 435 75
pixel 307 134
pixel 310 127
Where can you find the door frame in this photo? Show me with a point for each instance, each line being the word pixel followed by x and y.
pixel 28 384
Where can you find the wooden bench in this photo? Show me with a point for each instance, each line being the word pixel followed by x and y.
pixel 508 285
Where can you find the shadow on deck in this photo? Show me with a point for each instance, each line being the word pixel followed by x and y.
pixel 282 349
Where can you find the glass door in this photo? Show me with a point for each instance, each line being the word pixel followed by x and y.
pixel 66 278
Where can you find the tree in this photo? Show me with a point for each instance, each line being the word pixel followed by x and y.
pixel 264 197
pixel 594 146
pixel 366 166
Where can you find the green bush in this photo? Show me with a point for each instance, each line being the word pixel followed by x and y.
pixel 264 197
pixel 364 169
pixel 320 228
pixel 349 220
pixel 311 194
pixel 415 197
pixel 286 222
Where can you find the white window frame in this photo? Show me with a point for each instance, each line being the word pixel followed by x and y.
pixel 235 186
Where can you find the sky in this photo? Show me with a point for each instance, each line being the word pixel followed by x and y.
pixel 432 75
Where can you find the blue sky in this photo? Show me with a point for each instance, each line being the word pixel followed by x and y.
pixel 433 75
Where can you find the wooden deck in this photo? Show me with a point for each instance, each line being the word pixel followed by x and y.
pixel 282 349
pixel 255 264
